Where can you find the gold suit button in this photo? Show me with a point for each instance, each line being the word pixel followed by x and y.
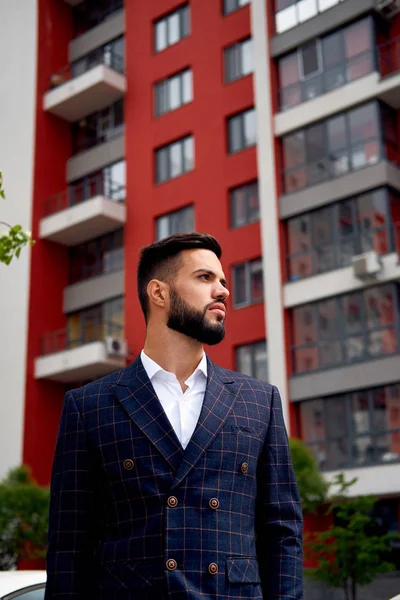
pixel 172 501
pixel 214 503
pixel 244 467
pixel 171 564
pixel 213 568
pixel 128 464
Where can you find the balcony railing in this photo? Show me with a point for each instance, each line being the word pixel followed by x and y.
pixel 94 59
pixel 389 57
pixel 93 186
pixel 94 330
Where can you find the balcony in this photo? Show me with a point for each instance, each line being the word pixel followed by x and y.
pixel 94 350
pixel 74 94
pixel 389 66
pixel 83 212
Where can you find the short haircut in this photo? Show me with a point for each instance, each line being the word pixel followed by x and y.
pixel 161 260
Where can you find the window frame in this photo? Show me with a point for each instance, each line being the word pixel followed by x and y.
pixel 333 169
pixel 304 87
pixel 246 188
pixel 249 301
pixel 184 14
pixel 166 151
pixel 351 435
pixel 104 247
pixel 170 215
pixel 341 335
pixel 338 239
pixel 233 54
pixel 240 117
pixel 237 6
pixel 161 92
pixel 253 346
pixel 94 135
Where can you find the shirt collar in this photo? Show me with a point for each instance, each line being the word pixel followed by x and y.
pixel 152 368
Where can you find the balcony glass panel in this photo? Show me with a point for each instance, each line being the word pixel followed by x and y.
pixel 335 146
pixel 354 430
pixel 346 329
pixel 326 63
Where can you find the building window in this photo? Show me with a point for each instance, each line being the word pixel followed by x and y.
pixel 175 159
pixel 244 205
pixel 92 324
pixel 290 13
pixel 100 256
pixel 108 182
pixel 111 55
pixel 173 92
pixel 99 127
pixel 232 5
pixel 90 13
pixel 354 430
pixel 329 237
pixel 179 221
pixel 95 323
pixel 326 63
pixel 242 132
pixel 346 329
pixel 172 28
pixel 343 143
pixel 248 283
pixel 252 360
pixel 239 60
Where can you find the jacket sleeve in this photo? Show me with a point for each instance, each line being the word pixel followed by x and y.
pixel 279 523
pixel 70 541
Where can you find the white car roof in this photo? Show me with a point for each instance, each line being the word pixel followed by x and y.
pixel 11 581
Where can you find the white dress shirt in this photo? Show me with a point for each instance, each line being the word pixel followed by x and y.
pixel 182 408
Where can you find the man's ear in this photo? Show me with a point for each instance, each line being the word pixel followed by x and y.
pixel 157 292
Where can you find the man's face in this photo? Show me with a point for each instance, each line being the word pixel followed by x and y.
pixel 198 297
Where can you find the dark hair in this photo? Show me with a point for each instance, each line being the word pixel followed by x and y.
pixel 161 260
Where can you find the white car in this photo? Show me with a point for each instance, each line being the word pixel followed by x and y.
pixel 24 585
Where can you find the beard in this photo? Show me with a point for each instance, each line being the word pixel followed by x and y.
pixel 192 322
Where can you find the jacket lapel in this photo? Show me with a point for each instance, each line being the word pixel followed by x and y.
pixel 220 396
pixel 136 394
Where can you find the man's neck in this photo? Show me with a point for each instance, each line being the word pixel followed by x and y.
pixel 174 352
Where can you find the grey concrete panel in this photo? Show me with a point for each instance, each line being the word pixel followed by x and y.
pixel 93 291
pixel 96 158
pixel 97 36
pixel 383 173
pixel 345 379
pixel 326 21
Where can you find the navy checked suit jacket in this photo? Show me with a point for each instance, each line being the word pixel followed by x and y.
pixel 134 516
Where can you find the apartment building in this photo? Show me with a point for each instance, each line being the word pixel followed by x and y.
pixel 273 125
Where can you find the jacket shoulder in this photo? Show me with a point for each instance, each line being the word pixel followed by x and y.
pixel 247 382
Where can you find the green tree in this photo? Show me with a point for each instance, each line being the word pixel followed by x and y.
pixel 313 488
pixel 351 552
pixel 24 507
pixel 13 238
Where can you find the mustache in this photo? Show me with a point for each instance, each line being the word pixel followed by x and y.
pixel 218 301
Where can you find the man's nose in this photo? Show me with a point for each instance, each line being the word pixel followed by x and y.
pixel 221 292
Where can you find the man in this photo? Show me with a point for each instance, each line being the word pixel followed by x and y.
pixel 172 478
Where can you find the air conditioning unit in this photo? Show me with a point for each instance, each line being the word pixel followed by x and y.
pixel 388 8
pixel 116 346
pixel 367 266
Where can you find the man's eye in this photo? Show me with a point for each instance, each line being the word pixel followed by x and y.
pixel 204 276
